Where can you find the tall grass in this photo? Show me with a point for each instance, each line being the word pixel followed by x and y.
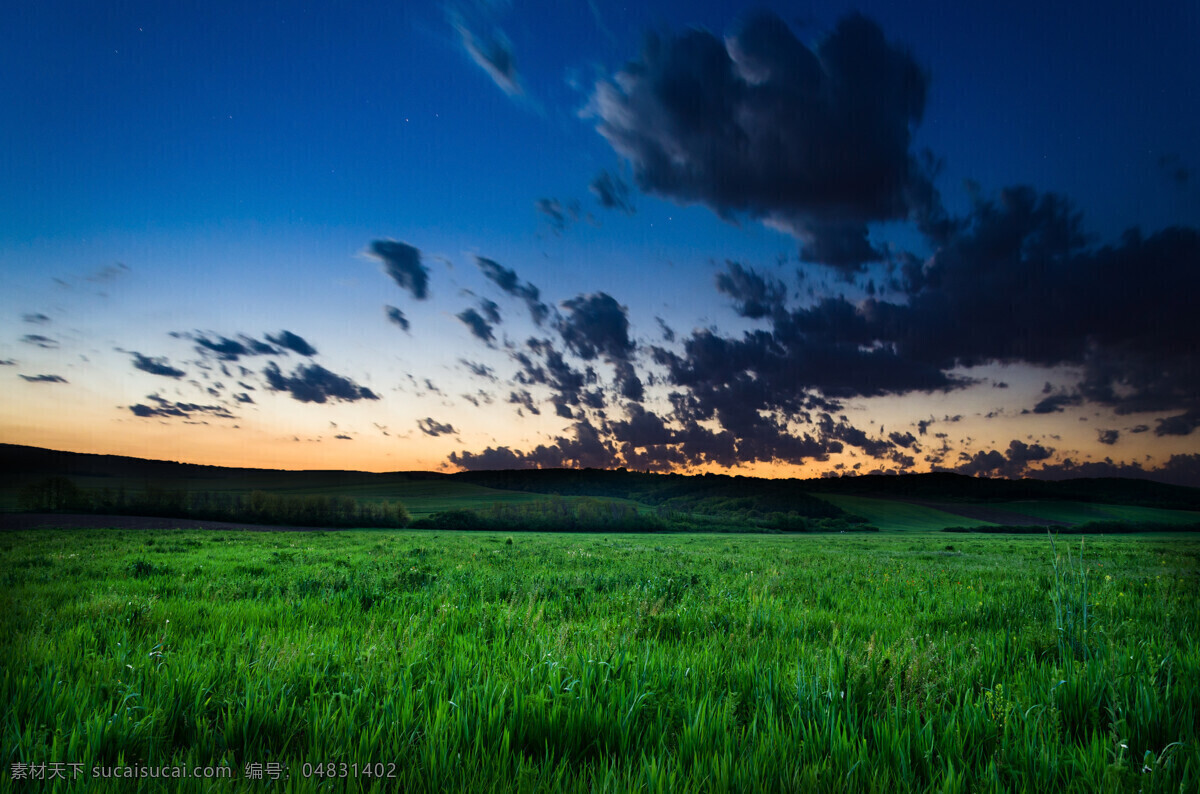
pixel 603 663
pixel 1070 598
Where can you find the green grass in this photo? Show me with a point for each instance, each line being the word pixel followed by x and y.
pixel 1135 513
pixel 1084 512
pixel 604 663
pixel 890 514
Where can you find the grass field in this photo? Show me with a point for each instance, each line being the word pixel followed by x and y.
pixel 891 514
pixel 460 661
pixel 1084 512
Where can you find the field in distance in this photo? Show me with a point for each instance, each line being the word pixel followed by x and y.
pixel 460 661
pixel 924 502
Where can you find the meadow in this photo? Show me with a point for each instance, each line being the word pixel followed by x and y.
pixel 580 662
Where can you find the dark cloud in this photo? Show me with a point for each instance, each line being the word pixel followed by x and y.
pixel 7 362
pixel 227 349
pixel 585 449
pixel 1013 283
pixel 553 370
pixel 167 409
pixel 480 397
pixel 1178 470
pixel 757 296
pixel 1055 403
pixel 290 341
pixel 44 342
pixel 843 431
pixel 1013 463
pixel 491 311
pixel 498 274
pixel 312 383
pixel 906 440
pixel 480 328
pixel 478 370
pixel 525 400
pixel 1179 425
pixel 493 53
pixel 403 263
pixel 597 326
pixel 808 359
pixel 242 397
pixel 491 459
pixel 1018 284
pixel 643 441
pixel 37 318
pixel 612 192
pixel 396 316
pixel 558 214
pixel 1139 428
pixel 43 378
pixel 431 427
pixel 1109 437
pixel 668 333
pixel 816 142
pixel 156 366
pixel 507 280
pixel 553 211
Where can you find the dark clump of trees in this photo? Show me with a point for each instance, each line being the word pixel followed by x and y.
pixel 61 495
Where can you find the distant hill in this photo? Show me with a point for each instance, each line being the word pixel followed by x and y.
pixel 20 465
pixel 938 486
pixel 960 487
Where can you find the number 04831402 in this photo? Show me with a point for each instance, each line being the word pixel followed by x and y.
pixel 344 770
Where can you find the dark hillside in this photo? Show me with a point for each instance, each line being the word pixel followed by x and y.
pixel 959 487
pixel 704 493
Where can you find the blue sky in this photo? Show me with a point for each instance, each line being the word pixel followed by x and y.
pixel 203 168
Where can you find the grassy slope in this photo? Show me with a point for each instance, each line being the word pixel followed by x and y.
pixel 1084 512
pixel 889 514
pixel 599 663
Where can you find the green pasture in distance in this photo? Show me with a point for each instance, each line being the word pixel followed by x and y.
pixel 1135 513
pixel 890 514
pixel 579 663
pixel 1085 512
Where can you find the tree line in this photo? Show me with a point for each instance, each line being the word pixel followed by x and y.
pixel 61 495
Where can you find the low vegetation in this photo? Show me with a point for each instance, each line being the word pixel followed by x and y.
pixel 61 495
pixel 584 514
pixel 1090 528
pixel 579 662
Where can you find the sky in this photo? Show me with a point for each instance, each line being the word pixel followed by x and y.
pixel 801 240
